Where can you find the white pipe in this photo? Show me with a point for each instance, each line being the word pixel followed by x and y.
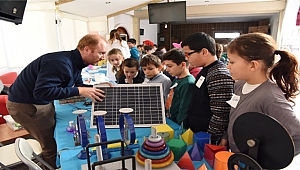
pixel 98 148
pixel 153 131
pixel 148 164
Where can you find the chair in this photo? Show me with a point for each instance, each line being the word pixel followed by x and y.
pixel 3 109
pixel 8 156
pixel 25 153
pixel 8 78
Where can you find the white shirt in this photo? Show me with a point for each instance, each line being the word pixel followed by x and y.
pixel 126 53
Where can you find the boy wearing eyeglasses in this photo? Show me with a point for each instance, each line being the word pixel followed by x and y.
pixel 209 111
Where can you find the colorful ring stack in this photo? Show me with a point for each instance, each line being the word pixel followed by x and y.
pixel 156 149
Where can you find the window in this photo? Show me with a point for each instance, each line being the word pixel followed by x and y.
pixel 227 34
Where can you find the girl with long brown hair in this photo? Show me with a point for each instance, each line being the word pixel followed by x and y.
pixel 263 85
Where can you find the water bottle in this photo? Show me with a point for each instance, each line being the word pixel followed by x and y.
pixel 71 127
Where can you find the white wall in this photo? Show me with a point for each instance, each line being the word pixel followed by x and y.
pixel 38 34
pixel 123 20
pixel 290 36
pixel 150 31
pixel 24 42
pixel 98 25
pixel 71 30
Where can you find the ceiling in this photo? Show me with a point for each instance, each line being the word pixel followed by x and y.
pixel 96 8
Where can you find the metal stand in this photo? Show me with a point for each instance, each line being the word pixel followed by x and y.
pixel 83 136
pixel 122 158
pixel 102 132
pixel 262 141
pixel 126 125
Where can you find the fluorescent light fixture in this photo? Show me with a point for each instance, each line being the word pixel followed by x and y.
pixel 227 34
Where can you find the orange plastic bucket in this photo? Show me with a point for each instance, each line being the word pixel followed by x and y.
pixel 221 159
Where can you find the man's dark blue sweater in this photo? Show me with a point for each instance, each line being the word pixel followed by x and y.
pixel 50 77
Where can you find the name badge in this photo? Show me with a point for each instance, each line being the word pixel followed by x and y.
pixel 175 85
pixel 146 80
pixel 234 100
pixel 200 81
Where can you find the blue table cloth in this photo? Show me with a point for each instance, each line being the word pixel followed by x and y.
pixel 66 148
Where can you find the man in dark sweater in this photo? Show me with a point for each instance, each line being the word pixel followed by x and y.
pixel 208 110
pixel 51 77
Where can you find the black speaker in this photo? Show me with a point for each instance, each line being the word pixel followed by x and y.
pixel 141 31
pixel 12 10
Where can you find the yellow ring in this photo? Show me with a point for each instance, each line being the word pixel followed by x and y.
pixel 161 165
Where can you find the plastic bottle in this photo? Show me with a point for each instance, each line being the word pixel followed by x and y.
pixel 71 127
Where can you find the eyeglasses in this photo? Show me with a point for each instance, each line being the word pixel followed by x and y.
pixel 190 53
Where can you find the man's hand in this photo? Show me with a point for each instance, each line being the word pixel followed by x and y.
pixel 91 93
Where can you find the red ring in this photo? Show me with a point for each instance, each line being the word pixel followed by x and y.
pixel 154 149
pixel 156 161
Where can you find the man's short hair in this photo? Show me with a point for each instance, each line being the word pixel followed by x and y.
pixel 131 40
pixel 150 59
pixel 176 55
pixel 200 40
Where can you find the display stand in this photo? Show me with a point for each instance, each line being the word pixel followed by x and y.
pixel 102 132
pixel 122 158
pixel 127 127
pixel 82 133
pixel 260 140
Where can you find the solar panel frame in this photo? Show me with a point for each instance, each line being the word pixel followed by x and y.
pixel 146 100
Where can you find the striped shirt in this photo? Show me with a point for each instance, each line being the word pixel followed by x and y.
pixel 208 110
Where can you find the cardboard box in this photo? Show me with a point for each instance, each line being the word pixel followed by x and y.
pixel 252 29
pixel 264 22
pixel 263 29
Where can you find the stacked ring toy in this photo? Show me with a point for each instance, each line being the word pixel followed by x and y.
pixel 156 149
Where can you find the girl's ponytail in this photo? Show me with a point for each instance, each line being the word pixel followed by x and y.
pixel 285 73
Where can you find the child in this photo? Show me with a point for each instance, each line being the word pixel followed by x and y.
pixel 208 110
pixel 159 54
pixel 140 49
pixel 115 58
pixel 134 53
pixel 115 41
pixel 151 66
pixel 177 65
pixel 132 73
pixel 263 86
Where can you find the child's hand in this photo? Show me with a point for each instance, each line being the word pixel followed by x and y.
pixel 109 83
pixel 223 142
pixel 168 114
pixel 129 80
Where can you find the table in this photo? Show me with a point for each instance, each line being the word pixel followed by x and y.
pixel 67 151
pixel 8 135
pixel 88 74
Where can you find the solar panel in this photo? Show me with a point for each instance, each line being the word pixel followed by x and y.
pixel 146 100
